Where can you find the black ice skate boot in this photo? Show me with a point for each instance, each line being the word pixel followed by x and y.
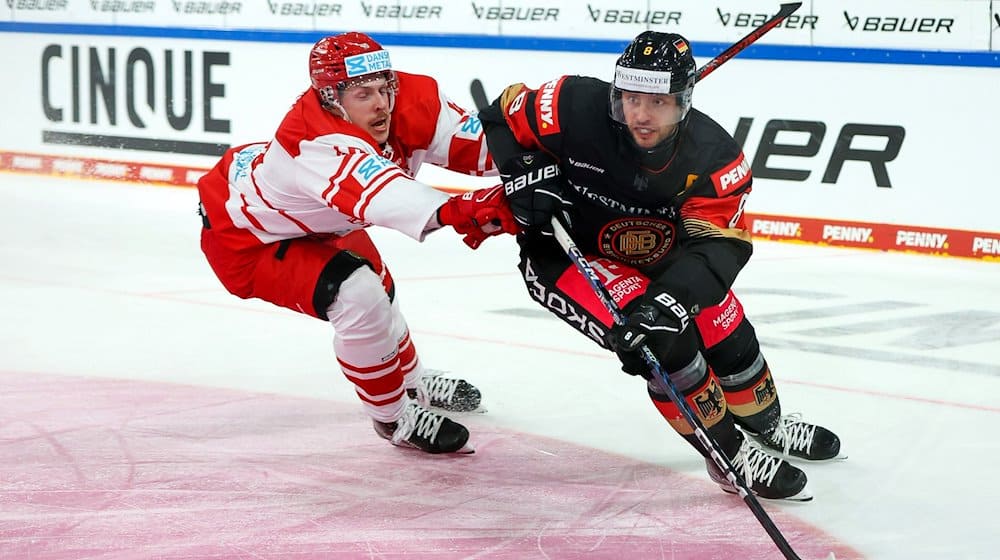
pixel 425 430
pixel 447 393
pixel 767 476
pixel 795 438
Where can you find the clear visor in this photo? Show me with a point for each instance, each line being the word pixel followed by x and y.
pixel 384 80
pixel 658 109
pixel 388 76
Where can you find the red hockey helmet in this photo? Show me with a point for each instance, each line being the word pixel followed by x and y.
pixel 340 61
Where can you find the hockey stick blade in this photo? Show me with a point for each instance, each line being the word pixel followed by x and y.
pixel 478 94
pixel 667 386
pixel 734 49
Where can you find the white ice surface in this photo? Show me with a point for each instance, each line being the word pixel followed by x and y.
pixel 106 280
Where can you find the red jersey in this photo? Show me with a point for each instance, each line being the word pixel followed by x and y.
pixel 322 174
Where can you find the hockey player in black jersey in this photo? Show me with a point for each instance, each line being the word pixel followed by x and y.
pixel 653 192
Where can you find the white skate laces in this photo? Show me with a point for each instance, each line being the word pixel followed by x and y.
pixel 755 464
pixel 420 420
pixel 793 435
pixel 438 388
pixel 447 393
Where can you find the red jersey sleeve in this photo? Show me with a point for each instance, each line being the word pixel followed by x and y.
pixel 533 115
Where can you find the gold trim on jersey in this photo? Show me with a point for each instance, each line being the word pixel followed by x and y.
pixel 703 228
pixel 509 94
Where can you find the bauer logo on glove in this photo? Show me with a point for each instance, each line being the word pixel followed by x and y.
pixel 533 187
pixel 530 174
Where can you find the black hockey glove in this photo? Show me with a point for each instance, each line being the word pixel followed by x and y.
pixel 656 321
pixel 533 187
pixel 632 361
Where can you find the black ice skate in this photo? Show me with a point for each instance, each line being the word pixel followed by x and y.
pixel 447 393
pixel 767 476
pixel 795 438
pixel 425 430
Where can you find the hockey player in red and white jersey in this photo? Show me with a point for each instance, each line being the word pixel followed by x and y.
pixel 284 221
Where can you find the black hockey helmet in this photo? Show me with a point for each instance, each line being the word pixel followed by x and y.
pixel 657 63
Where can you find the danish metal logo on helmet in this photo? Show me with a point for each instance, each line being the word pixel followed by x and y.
pixel 642 81
pixel 367 63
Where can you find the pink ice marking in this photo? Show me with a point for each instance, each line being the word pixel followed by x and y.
pixel 123 469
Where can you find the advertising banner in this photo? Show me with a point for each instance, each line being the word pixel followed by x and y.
pixel 882 156
pixel 897 24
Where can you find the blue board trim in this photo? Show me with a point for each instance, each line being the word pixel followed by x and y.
pixel 984 59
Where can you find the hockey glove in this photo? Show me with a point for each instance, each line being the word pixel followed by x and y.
pixel 657 321
pixel 478 214
pixel 632 361
pixel 533 186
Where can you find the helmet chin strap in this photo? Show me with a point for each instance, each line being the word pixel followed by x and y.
pixel 657 156
pixel 328 100
pixel 339 110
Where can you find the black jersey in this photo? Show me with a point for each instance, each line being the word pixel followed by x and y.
pixel 678 219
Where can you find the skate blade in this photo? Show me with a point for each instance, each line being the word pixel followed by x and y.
pixel 478 410
pixel 467 449
pixel 804 495
pixel 444 408
pixel 835 459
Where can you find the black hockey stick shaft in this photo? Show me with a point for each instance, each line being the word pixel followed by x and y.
pixel 663 380
pixel 734 49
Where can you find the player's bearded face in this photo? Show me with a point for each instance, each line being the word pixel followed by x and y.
pixel 367 105
pixel 651 118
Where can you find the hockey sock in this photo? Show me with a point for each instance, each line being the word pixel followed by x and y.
pixel 752 397
pixel 409 362
pixel 746 379
pixel 701 389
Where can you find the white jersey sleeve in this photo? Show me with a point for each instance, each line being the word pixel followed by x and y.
pixel 459 142
pixel 335 183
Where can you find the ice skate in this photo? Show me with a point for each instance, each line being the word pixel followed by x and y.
pixel 425 430
pixel 447 393
pixel 795 438
pixel 767 476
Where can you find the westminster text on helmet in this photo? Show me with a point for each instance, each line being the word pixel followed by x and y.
pixel 644 81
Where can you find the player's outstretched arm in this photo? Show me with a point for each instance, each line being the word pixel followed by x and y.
pixel 478 214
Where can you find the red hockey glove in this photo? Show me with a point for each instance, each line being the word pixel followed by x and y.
pixel 477 215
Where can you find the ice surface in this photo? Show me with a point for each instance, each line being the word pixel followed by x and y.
pixel 145 412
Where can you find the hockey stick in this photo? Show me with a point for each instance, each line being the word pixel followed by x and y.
pixel 664 381
pixel 734 49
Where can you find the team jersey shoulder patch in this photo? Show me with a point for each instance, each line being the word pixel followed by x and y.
pixel 547 107
pixel 512 98
pixel 732 177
